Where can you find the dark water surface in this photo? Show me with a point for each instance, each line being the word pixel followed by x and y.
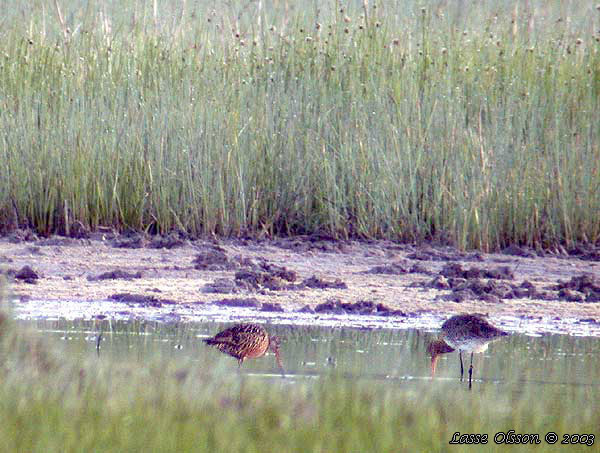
pixel 397 357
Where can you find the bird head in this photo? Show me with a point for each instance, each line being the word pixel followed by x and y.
pixel 435 349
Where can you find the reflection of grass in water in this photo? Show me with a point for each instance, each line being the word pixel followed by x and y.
pixel 53 402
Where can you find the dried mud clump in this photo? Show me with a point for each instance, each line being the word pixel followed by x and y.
pixel 264 275
pixel 515 250
pixel 397 269
pixel 384 310
pixel 140 299
pixel 363 307
pixel 418 269
pixel 459 296
pixel 526 289
pixel 247 280
pixel 130 240
pixel 281 272
pixel 258 280
pixel 569 296
pixel 314 242
pixel 388 269
pixel 431 254
pixel 275 307
pixel 439 282
pixel 114 275
pixel 56 241
pixel 586 252
pixel 318 283
pixel 456 270
pixel 171 240
pixel 588 321
pixel 582 288
pixel 250 302
pixel 221 286
pixel 18 236
pixel 490 291
pixel 214 259
pixel 27 275
pixel 489 285
pixel 79 231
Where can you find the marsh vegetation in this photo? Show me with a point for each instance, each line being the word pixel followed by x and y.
pixel 469 122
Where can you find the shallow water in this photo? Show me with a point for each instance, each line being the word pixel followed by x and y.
pixel 397 357
pixel 33 309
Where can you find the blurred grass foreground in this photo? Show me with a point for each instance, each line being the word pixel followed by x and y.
pixel 475 123
pixel 53 401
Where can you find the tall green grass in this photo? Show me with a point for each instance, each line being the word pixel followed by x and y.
pixel 477 125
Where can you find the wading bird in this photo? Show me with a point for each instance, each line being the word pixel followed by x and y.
pixel 468 333
pixel 246 341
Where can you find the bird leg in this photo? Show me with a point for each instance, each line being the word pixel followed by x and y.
pixel 274 345
pixel 462 371
pixel 280 364
pixel 471 370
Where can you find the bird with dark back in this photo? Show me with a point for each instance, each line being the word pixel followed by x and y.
pixel 246 341
pixel 468 333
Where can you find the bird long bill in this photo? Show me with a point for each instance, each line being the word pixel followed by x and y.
pixel 279 363
pixel 434 360
pixel 274 346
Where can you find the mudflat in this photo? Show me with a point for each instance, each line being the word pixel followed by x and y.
pixel 305 274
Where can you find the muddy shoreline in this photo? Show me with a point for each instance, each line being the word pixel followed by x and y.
pixel 310 277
